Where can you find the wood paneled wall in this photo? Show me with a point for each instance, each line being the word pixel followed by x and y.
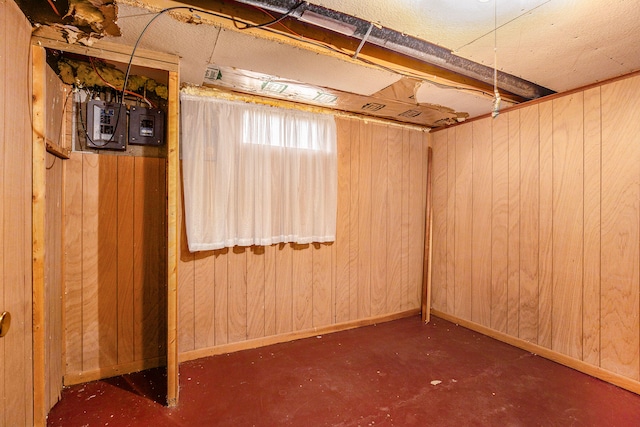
pixel 373 269
pixel 16 379
pixel 56 130
pixel 537 224
pixel 115 263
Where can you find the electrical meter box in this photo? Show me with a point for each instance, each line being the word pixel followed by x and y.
pixel 106 125
pixel 146 126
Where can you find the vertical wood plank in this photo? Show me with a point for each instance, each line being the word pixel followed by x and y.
pixel 394 220
pixel 221 295
pixel 73 208
pixel 529 225
pixel 107 263
pixel 568 219
pixel 4 47
pixel 38 210
pixel 270 290
pixel 237 294
pixel 354 225
pixel 204 299
pixel 463 217
pixel 405 220
pixel 186 284
pixel 439 262
pixel 15 172
pixel 500 224
pixel 343 226
pixel 364 222
pixel 620 227
pixel 302 281
pixel 417 198
pixel 481 226
pixel 379 214
pixel 125 179
pixel 322 285
pixel 90 257
pixel 255 292
pixel 172 239
pixel 545 279
pixel 284 288
pixel 591 288
pixel 451 220
pixel 513 290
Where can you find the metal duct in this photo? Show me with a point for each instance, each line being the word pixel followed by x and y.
pixel 401 43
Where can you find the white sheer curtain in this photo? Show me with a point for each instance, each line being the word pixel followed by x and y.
pixel 256 175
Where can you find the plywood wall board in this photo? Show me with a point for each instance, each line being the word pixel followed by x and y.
pixel 250 53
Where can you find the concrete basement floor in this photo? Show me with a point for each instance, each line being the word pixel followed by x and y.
pixel 400 373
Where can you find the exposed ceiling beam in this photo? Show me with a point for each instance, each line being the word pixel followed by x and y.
pixel 400 43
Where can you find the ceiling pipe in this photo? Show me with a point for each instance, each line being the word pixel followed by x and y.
pixel 401 43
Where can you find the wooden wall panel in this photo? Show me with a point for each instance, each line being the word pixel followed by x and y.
pixel 394 221
pixel 417 204
pixel 529 223
pixel 255 293
pixel 451 209
pixel 439 188
pixel 53 280
pixel 462 220
pixel 500 223
pixel 16 376
pixel 379 214
pixel 620 221
pixel 513 281
pixel 545 245
pixel 107 260
pixel 237 294
pixel 186 291
pixel 204 299
pixel 568 218
pixel 322 285
pixel 73 215
pixel 364 222
pixel 115 295
pixel 125 263
pixel 592 191
pixel 90 256
pixel 565 225
pixel 405 215
pixel 342 285
pixel 481 223
pixel 367 271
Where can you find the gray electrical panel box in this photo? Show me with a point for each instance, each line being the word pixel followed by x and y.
pixel 146 126
pixel 106 125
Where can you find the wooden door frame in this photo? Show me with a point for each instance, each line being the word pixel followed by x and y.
pixel 50 38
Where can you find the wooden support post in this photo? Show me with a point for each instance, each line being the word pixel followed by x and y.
pixel 426 279
pixel 38 233
pixel 172 241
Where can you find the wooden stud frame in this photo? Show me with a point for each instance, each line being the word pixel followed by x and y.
pixel 38 234
pixel 49 38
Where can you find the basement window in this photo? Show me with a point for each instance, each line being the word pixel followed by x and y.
pixel 256 175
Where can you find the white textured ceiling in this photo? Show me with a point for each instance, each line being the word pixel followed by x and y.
pixel 558 44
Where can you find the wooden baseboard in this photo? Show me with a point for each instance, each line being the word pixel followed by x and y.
pixel 113 371
pixel 586 368
pixel 292 336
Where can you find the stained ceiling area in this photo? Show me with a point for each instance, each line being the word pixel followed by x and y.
pixel 431 63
